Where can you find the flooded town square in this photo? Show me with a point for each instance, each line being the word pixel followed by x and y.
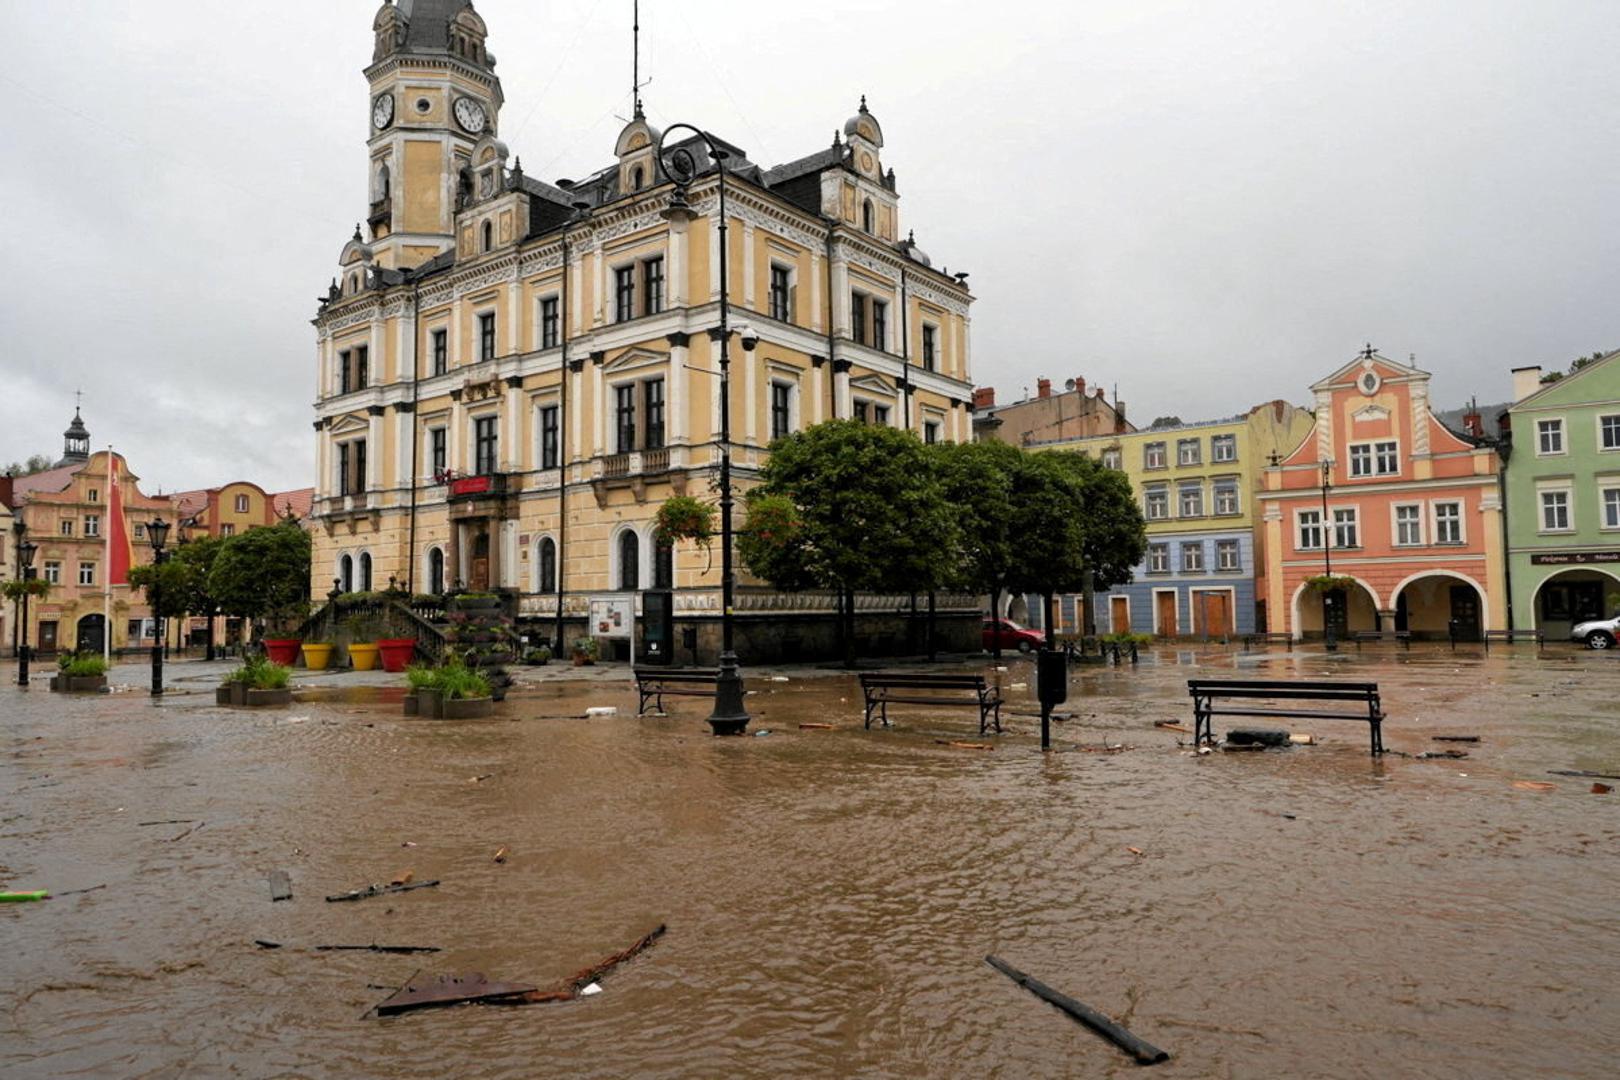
pixel 830 893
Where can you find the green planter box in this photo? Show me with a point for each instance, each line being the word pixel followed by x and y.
pixel 473 708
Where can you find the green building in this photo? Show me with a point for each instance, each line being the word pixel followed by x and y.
pixel 1563 497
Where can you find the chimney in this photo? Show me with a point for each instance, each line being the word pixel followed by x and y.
pixel 1080 387
pixel 1043 388
pixel 1473 423
pixel 1120 426
pixel 1101 394
pixel 984 397
pixel 1526 381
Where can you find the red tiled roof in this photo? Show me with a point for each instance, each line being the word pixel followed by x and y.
pixel 296 502
pixel 51 480
pixel 190 502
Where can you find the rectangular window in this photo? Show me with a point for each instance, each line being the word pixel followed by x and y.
pixel 438 450
pixel 343 468
pixel 1310 530
pixel 53 572
pixel 1448 523
pixel 1374 459
pixel 1153 456
pixel 87 573
pixel 860 412
pixel 345 376
pixel 548 437
pixel 625 417
pixel 1189 452
pixel 441 351
pixel 930 356
pixel 1549 436
pixel 1609 432
pixel 133 630
pixel 1386 459
pixel 362 367
pixel 1227 556
pixel 1110 459
pixel 484 444
pixel 652 392
pixel 1156 503
pixel 857 317
pixel 781 286
pixel 1611 508
pixel 781 404
pixel 931 432
pixel 1192 500
pixel 227 530
pixel 1226 497
pixel 1361 460
pixel 140 531
pixel 67 527
pixel 361 447
pixel 92 525
pixel 1408 525
pixel 880 325
pixel 880 415
pixel 1344 529
pixel 486 336
pixel 1192 558
pixel 93 495
pixel 1158 561
pixel 652 279
pixel 550 323
pixel 624 293
pixel 1223 448
pixel 1554 511
pixel 241 504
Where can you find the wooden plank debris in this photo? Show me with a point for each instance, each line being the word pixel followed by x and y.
pixel 448 990
pixel 1145 1053
pixel 378 890
pixel 280 886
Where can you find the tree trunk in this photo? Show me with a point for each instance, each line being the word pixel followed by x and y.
pixel 211 637
pixel 995 622
pixel 1046 616
pixel 933 650
pixel 849 624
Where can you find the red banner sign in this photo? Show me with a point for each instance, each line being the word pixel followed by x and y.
pixel 471 485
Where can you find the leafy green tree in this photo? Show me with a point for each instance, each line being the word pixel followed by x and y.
pixel 977 480
pixel 263 574
pixel 868 513
pixel 183 586
pixel 36 463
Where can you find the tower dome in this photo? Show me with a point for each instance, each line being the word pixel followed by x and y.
pixel 75 441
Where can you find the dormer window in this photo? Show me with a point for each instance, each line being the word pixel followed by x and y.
pixel 867 215
pixel 637 178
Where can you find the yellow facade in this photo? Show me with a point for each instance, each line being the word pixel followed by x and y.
pixel 478 317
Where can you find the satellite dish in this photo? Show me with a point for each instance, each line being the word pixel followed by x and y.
pixel 1068 384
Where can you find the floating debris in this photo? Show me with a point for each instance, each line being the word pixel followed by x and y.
pixel 378 890
pixel 280 886
pixel 1145 1053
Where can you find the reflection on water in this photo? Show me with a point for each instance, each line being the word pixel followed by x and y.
pixel 830 895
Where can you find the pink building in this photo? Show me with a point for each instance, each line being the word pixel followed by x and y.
pixel 1413 514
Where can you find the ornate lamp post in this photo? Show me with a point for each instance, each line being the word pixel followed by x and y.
pixel 25 566
pixel 1328 637
pixel 679 166
pixel 157 532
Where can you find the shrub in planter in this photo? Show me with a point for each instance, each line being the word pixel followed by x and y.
pixel 585 650
pixel 258 682
pixel 453 691
pixel 538 657
pixel 80 673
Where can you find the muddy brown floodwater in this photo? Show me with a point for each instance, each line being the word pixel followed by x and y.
pixel 830 894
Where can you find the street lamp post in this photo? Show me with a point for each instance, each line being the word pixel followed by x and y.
pixel 157 532
pixel 680 168
pixel 25 566
pixel 1328 638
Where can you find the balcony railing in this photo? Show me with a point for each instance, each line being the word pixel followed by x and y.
pixel 616 466
pixel 655 460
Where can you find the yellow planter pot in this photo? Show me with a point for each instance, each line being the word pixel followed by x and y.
pixel 317 657
pixel 364 657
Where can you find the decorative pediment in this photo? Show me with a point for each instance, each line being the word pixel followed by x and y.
pixel 873 384
pixel 632 359
pixel 1370 412
pixel 349 425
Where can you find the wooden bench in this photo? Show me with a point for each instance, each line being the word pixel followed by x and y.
pixel 1208 694
pixel 1511 637
pixel 1249 640
pixel 883 688
pixel 1402 636
pixel 652 683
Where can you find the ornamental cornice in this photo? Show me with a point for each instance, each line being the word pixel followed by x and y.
pixel 763 215
pixel 538 262
pixel 925 290
pixel 339 323
pixel 505 270
pixel 608 231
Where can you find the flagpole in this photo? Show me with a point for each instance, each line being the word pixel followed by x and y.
pixel 106 564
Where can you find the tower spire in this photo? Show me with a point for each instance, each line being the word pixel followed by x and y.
pixel 635 56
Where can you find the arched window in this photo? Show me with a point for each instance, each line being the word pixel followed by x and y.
pixel 435 575
pixel 548 565
pixel 346 573
pixel 382 182
pixel 664 566
pixel 629 561
pixel 867 215
pixel 489 236
pixel 637 177
pixel 365 571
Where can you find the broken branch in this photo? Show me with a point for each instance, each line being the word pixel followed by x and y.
pixel 1145 1053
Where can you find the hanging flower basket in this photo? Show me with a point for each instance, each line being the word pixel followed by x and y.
pixel 1326 583
pixel 683 517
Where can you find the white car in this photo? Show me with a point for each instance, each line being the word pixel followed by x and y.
pixel 1597 633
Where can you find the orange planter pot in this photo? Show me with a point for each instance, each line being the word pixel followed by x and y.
pixel 396 652
pixel 282 650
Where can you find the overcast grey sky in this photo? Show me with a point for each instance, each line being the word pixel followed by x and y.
pixel 1209 204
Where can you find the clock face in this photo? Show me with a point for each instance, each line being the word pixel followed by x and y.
pixel 382 111
pixel 470 115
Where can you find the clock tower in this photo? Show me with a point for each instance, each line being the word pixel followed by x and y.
pixel 434 95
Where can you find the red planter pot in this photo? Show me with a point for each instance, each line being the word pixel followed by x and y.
pixel 396 652
pixel 282 650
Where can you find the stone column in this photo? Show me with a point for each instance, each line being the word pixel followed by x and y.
pixel 840 298
pixel 675 423
pixel 675 283
pixel 816 389
pixel 404 428
pixel 841 402
pixel 604 408
pixel 457 436
pixel 576 409
pixel 815 321
pixel 374 445
pixel 514 334
pixel 512 421
pixel 750 395
pixel 748 266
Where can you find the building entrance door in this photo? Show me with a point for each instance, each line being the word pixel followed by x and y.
pixel 1213 612
pixel 1164 603
pixel 1119 614
pixel 480 563
pixel 92 633
pixel 1465 612
pixel 47 637
pixel 1338 613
